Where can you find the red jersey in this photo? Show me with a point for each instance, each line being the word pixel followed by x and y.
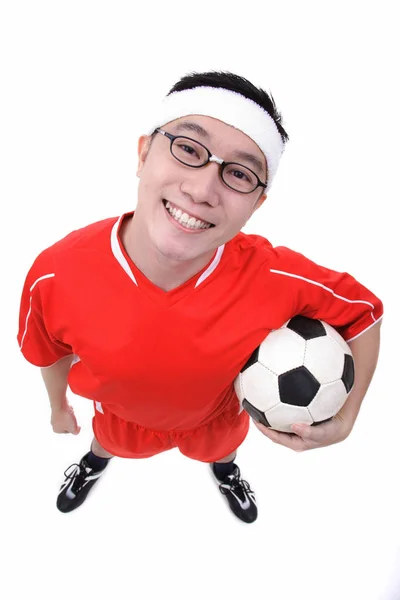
pixel 167 360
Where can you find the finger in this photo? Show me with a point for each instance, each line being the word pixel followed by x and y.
pixel 75 428
pixel 316 433
pixel 304 431
pixel 273 434
pixel 290 440
pixel 294 442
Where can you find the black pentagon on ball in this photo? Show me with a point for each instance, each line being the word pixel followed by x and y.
pixel 297 387
pixel 306 328
pixel 348 372
pixel 251 360
pixel 255 414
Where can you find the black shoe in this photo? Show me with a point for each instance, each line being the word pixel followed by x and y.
pixel 77 485
pixel 241 498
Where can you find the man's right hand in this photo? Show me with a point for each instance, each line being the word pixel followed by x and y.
pixel 64 420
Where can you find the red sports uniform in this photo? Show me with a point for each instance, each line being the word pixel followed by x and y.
pixel 159 366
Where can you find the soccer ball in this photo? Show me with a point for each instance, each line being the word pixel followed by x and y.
pixel 301 373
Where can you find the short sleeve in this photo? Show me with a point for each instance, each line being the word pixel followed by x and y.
pixel 331 296
pixel 36 342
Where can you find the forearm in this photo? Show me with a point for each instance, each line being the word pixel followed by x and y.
pixel 56 381
pixel 365 350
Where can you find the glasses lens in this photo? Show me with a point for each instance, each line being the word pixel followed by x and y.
pixel 189 152
pixel 239 178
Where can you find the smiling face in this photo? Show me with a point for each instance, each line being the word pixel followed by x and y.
pixel 200 192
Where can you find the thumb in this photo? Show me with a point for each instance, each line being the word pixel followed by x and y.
pixel 304 431
pixel 75 427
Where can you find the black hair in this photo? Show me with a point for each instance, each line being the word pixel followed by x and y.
pixel 235 83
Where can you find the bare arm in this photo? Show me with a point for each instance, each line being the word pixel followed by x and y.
pixel 55 380
pixel 63 419
pixel 365 351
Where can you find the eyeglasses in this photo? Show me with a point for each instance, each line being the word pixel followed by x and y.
pixel 193 154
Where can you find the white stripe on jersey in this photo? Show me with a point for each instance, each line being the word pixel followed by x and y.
pixel 30 304
pixel 336 296
pixel 325 288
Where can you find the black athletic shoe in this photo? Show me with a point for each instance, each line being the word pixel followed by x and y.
pixel 241 498
pixel 79 480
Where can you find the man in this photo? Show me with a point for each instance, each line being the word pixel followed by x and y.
pixel 152 315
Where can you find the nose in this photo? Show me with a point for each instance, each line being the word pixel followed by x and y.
pixel 203 184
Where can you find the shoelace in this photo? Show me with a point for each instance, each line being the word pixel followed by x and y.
pixel 80 476
pixel 237 485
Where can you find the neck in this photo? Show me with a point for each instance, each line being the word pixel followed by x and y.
pixel 164 272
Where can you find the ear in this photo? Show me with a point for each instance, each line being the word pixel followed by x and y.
pixel 259 202
pixel 143 150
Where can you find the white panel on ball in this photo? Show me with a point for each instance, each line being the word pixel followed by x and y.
pixel 260 386
pixel 328 401
pixel 324 359
pixel 289 370
pixel 271 355
pixel 334 335
pixel 282 416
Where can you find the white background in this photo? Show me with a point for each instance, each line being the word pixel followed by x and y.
pixel 78 81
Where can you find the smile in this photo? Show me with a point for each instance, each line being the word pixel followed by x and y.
pixel 184 219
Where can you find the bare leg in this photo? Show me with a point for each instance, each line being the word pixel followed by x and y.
pixel 228 458
pixel 99 450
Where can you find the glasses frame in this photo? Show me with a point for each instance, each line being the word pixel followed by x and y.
pixel 211 158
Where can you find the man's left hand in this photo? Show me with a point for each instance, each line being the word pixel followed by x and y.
pixel 307 437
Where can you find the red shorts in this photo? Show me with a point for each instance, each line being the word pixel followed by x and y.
pixel 208 443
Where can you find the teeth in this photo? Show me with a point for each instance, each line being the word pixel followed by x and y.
pixel 185 219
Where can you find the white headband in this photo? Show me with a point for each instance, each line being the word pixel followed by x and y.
pixel 231 108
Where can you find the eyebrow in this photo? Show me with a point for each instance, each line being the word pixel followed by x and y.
pixel 239 154
pixel 253 160
pixel 190 126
